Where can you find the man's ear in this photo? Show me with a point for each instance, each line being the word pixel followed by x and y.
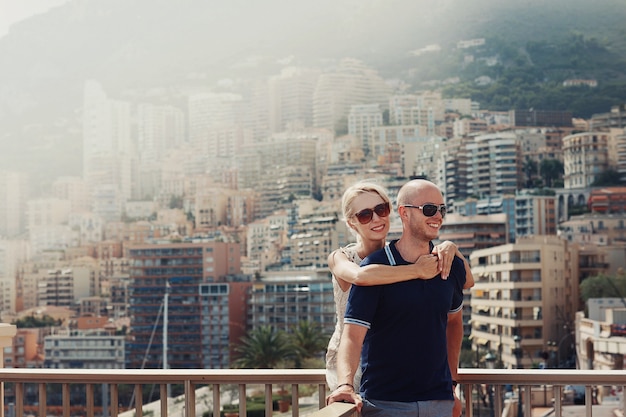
pixel 401 212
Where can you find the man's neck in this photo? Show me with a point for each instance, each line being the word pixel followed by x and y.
pixel 411 249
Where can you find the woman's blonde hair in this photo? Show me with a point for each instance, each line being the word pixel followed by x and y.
pixel 357 189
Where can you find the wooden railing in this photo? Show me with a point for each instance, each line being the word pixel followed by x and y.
pixel 214 382
pixel 192 380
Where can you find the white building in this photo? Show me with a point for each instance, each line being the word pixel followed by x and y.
pixel 361 120
pixel 351 83
pixel 14 192
pixel 96 349
pixel 585 156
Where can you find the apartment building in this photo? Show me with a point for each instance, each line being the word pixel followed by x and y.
pixel 454 178
pixel 547 118
pixel 526 291
pixel 93 349
pixel 616 118
pixel 316 232
pixel 266 239
pixel 534 214
pixel 291 98
pixel 595 228
pixel 607 200
pixel 471 233
pixel 585 157
pixel 351 83
pixel 56 288
pixel 361 120
pixel 494 164
pixel 25 351
pixel 159 128
pixel 180 269
pixel 209 110
pixel 283 298
pixel 223 311
pixel 12 253
pixel 422 157
pixel 599 340
pixel 14 191
pixel 73 189
pixel 384 139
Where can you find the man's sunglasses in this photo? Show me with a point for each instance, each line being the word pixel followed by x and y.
pixel 366 215
pixel 430 210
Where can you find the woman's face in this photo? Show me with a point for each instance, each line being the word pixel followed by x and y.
pixel 376 228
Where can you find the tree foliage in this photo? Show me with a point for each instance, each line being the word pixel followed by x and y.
pixel 267 347
pixel 608 178
pixel 551 171
pixel 307 340
pixel 30 322
pixel 262 348
pixel 532 75
pixel 603 285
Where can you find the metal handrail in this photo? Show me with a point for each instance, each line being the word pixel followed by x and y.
pixel 525 379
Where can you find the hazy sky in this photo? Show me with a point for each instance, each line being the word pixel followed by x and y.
pixel 12 11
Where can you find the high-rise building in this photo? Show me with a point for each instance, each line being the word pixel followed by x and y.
pixel 12 253
pixel 14 193
pixel 43 212
pixel 210 110
pixel 109 148
pixel 454 178
pixel 279 170
pixel 291 98
pixel 195 276
pixel 159 128
pixel 351 83
pixel 494 164
pixel 361 120
pixel 75 190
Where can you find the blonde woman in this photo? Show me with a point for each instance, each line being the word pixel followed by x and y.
pixel 366 208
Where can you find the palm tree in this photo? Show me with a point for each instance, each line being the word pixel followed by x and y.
pixel 263 347
pixel 307 341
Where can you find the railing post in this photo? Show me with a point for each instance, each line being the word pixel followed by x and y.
pixel 7 332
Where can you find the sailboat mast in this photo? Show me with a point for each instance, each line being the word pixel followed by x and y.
pixel 165 316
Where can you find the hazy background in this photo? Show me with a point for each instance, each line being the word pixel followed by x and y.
pixel 136 47
pixel 12 11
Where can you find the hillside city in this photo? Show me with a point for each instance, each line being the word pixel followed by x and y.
pixel 227 206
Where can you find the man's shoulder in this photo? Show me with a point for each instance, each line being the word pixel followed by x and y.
pixel 379 256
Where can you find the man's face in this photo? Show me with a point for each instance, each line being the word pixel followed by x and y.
pixel 418 224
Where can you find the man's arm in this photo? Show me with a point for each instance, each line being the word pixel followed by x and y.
pixel 348 358
pixel 454 335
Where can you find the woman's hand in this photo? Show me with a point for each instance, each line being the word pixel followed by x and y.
pixel 445 252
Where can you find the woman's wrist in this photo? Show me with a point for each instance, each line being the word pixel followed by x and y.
pixel 345 384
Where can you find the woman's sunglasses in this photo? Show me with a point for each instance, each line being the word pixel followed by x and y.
pixel 430 210
pixel 366 215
